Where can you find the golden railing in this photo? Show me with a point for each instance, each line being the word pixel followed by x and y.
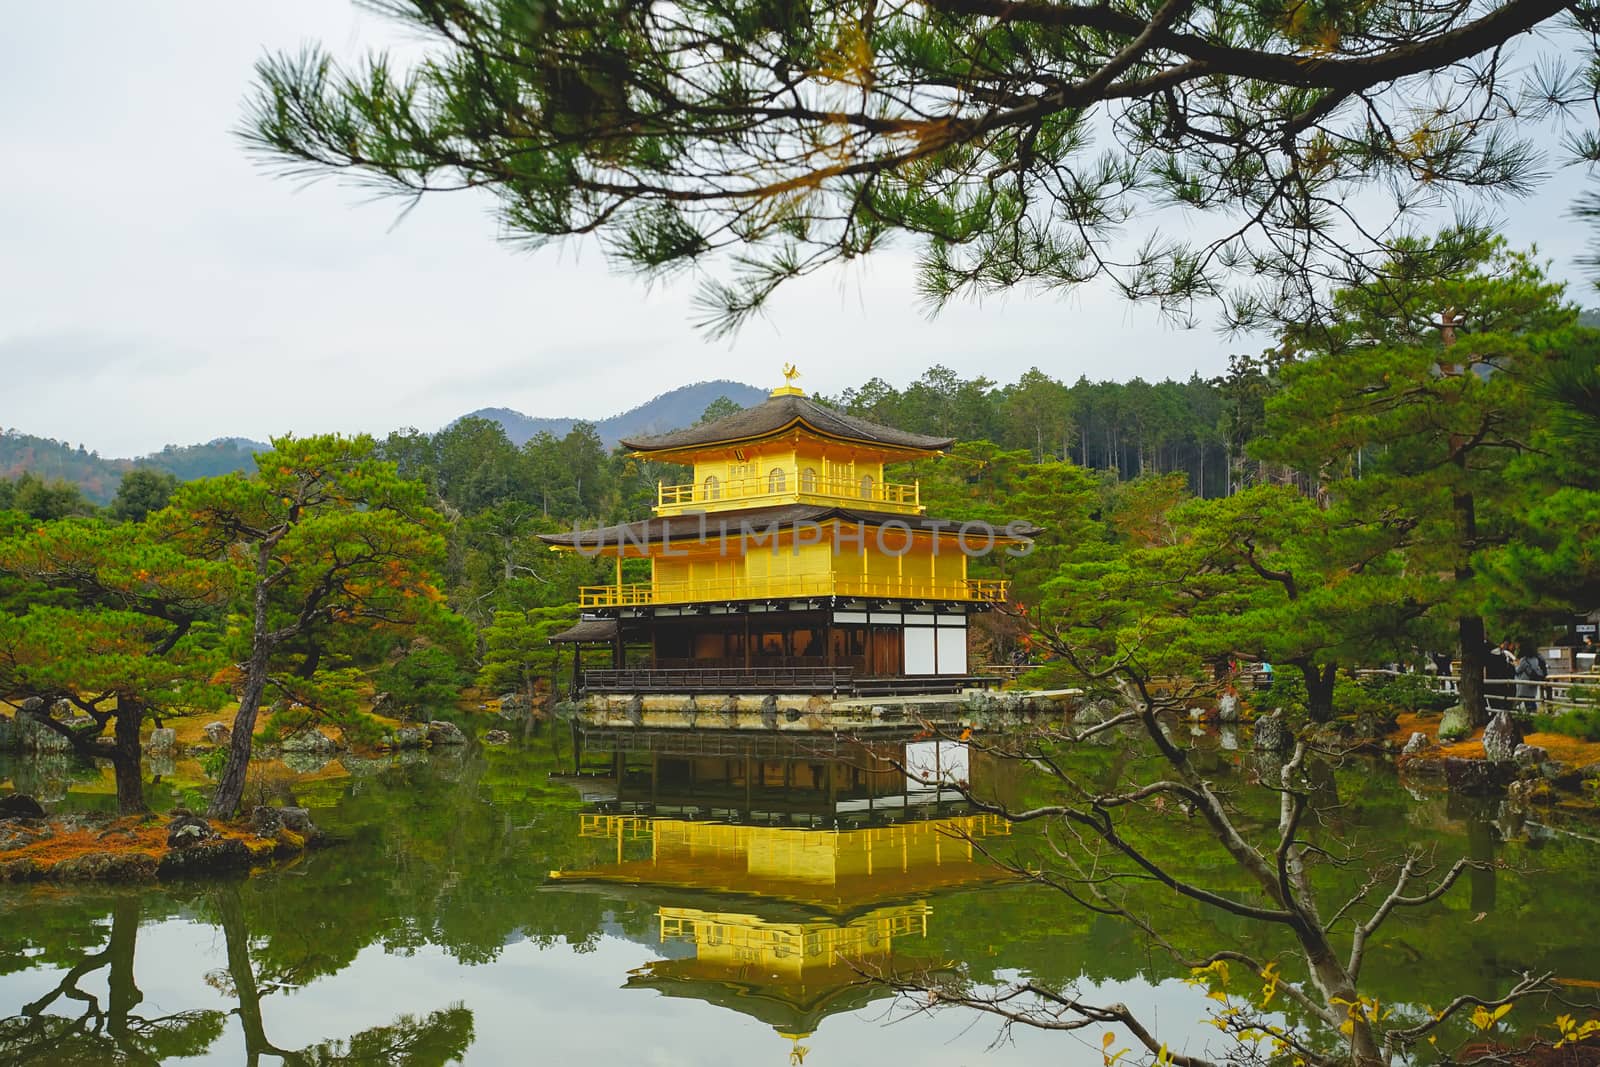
pixel 987 590
pixel 701 494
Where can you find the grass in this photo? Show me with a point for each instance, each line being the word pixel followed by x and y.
pixel 127 836
pixel 1573 751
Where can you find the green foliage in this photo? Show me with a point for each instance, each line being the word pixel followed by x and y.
pixel 422 681
pixel 45 500
pixel 130 624
pixel 141 492
pixel 212 763
pixel 803 135
pixel 1582 723
pixel 1407 692
pixel 518 653
pixel 719 408
pixel 339 556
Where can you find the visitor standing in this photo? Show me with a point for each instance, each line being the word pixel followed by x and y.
pixel 1530 670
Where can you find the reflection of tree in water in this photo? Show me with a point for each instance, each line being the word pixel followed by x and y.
pixel 111 1032
pixel 114 1032
pixel 440 1037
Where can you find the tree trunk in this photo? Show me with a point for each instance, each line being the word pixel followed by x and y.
pixel 1319 690
pixel 124 993
pixel 309 664
pixel 127 761
pixel 1474 657
pixel 236 937
pixel 230 789
pixel 1474 646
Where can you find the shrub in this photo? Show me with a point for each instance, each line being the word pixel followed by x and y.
pixel 1582 723
pixel 424 680
pixel 1407 692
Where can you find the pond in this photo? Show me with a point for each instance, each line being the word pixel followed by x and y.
pixel 477 909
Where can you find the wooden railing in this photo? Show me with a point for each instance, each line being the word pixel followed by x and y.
pixel 987 590
pixel 1556 694
pixel 747 490
pixel 718 680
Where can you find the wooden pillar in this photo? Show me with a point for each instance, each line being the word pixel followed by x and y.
pixel 619 765
pixel 749 785
pixel 747 640
pixel 655 775
pixel 577 669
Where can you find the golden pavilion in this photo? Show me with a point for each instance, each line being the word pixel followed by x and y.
pixel 789 562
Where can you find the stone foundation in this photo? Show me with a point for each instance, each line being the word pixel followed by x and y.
pixel 802 712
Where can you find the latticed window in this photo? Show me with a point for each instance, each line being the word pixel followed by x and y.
pixel 866 487
pixel 776 482
pixel 713 488
pixel 808 480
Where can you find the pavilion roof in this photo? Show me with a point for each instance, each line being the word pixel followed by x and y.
pixel 587 630
pixel 779 414
pixel 731 524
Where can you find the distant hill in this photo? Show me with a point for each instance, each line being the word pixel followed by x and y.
pixel 669 411
pixel 99 476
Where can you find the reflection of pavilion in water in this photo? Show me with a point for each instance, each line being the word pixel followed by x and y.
pixel 787 924
pixel 782 776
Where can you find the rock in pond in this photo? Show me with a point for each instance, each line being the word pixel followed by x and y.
pixel 164 739
pixel 311 741
pixel 1501 738
pixel 444 732
pixel 20 806
pixel 106 867
pixel 1228 707
pixel 291 826
pixel 1529 756
pixel 408 737
pixel 218 733
pixel 1271 734
pixel 1476 777
pixel 207 857
pixel 188 829
pixel 1455 725
pixel 497 737
pixel 1417 744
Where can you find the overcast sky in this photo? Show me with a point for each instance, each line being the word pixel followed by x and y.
pixel 157 287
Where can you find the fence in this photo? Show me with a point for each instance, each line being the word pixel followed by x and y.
pixel 1554 695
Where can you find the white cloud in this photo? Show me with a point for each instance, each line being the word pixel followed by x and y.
pixel 159 287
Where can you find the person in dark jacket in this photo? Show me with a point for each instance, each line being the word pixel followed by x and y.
pixel 1530 670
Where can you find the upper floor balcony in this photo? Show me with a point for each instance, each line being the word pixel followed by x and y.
pixel 984 590
pixel 788 487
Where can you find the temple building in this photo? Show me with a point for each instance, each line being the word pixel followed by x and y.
pixel 788 562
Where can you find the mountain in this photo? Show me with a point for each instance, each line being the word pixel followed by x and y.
pixel 669 411
pixel 99 477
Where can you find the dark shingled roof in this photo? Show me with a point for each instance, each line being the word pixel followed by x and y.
pixel 693 526
pixel 587 630
pixel 778 414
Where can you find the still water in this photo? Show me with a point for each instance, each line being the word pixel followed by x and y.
pixel 479 910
